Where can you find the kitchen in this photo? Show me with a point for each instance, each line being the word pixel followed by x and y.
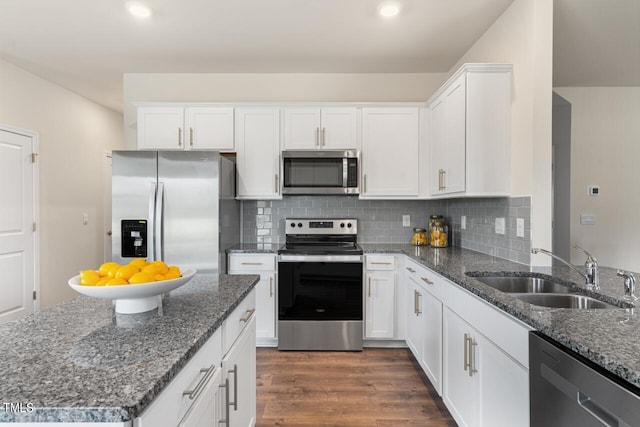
pixel 63 200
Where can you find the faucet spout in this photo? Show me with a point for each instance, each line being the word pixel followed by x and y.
pixel 590 276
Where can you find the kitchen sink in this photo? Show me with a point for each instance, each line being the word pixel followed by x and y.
pixel 525 285
pixel 563 301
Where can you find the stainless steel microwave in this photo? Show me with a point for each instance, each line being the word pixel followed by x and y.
pixel 320 172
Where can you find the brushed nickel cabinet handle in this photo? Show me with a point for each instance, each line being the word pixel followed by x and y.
pixel 424 279
pixel 324 137
pixel 317 136
pixel 472 362
pixel 415 302
pixel 248 314
pixel 364 183
pixel 270 287
pixel 369 287
pixel 418 312
pixel 198 388
pixel 466 352
pixel 179 137
pixel 191 137
pixel 226 405
pixel 234 371
pixel 411 270
pixel 380 263
pixel 251 263
pixel 276 184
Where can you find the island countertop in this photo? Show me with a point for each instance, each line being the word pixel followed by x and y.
pixel 80 361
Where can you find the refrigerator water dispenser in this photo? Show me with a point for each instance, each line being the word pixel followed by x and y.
pixel 134 238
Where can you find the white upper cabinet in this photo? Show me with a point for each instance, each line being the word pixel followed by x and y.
pixel 258 153
pixel 185 128
pixel 209 128
pixel 469 132
pixel 390 152
pixel 332 128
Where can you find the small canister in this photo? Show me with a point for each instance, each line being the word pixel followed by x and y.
pixel 438 231
pixel 419 237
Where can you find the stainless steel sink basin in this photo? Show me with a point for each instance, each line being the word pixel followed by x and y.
pixel 563 301
pixel 525 284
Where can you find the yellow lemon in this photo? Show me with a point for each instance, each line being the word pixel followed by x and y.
pixel 89 277
pixel 138 262
pixel 104 268
pixel 159 277
pixel 103 281
pixel 173 273
pixel 126 272
pixel 152 269
pixel 115 281
pixel 161 266
pixel 141 277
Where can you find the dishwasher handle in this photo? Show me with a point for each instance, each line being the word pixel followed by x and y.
pixel 596 411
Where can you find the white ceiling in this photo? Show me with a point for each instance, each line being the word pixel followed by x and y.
pixel 86 45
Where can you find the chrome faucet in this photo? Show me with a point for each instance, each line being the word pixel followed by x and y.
pixel 629 285
pixel 591 275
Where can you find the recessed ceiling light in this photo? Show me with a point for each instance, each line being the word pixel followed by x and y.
pixel 138 9
pixel 389 9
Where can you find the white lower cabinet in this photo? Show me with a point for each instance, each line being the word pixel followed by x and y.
pixel 380 297
pixel 266 292
pixel 239 370
pixel 483 385
pixel 218 385
pixel 424 321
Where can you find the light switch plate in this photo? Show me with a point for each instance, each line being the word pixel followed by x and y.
pixel 406 220
pixel 519 227
pixel 463 222
pixel 587 219
pixel 500 225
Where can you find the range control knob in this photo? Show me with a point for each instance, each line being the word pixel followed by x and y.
pixel 300 224
pixel 348 225
pixel 342 225
pixel 293 225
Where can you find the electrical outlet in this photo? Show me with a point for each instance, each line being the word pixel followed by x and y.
pixel 587 219
pixel 500 225
pixel 85 218
pixel 406 220
pixel 463 222
pixel 520 227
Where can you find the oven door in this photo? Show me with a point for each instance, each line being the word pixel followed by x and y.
pixel 321 288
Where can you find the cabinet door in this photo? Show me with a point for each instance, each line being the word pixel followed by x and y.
pixel 390 152
pixel 239 366
pixel 204 411
pixel 414 319
pixel 459 386
pixel 209 128
pixel 266 306
pixel 380 304
pixel 339 128
pixel 301 128
pixel 455 122
pixel 161 128
pixel 258 151
pixel 431 308
pixel 503 395
pixel 437 144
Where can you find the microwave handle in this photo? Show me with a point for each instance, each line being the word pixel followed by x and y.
pixel 345 172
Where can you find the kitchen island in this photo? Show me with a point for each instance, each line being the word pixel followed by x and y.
pixel 79 361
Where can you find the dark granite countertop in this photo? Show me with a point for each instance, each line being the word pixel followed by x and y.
pixel 610 338
pixel 80 361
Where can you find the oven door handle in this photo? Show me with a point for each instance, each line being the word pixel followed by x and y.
pixel 320 258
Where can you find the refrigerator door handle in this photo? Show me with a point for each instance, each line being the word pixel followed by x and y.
pixel 151 223
pixel 159 243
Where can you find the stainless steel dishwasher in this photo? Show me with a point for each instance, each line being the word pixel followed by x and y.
pixel 567 390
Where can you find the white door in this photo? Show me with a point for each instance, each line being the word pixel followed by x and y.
pixel 339 128
pixel 379 304
pixel 17 238
pixel 106 187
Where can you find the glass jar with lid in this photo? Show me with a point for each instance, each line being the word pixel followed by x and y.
pixel 438 231
pixel 419 237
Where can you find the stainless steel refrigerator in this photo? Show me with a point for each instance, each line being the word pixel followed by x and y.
pixel 175 206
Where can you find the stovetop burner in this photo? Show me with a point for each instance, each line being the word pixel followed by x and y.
pixel 321 237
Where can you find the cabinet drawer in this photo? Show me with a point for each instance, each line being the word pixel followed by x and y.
pixel 252 262
pixel 237 320
pixel 380 262
pixel 172 403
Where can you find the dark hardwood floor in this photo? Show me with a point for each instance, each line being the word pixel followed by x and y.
pixel 372 388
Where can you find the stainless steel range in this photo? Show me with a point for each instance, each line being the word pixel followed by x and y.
pixel 320 290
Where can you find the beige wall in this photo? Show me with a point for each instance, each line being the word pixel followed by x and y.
pixel 522 36
pixel 605 149
pixel 74 134
pixel 272 88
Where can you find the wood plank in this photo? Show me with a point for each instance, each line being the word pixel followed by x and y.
pixel 372 388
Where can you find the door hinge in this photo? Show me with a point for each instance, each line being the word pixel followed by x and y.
pixel 33 157
pixel 33 227
pixel 34 295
